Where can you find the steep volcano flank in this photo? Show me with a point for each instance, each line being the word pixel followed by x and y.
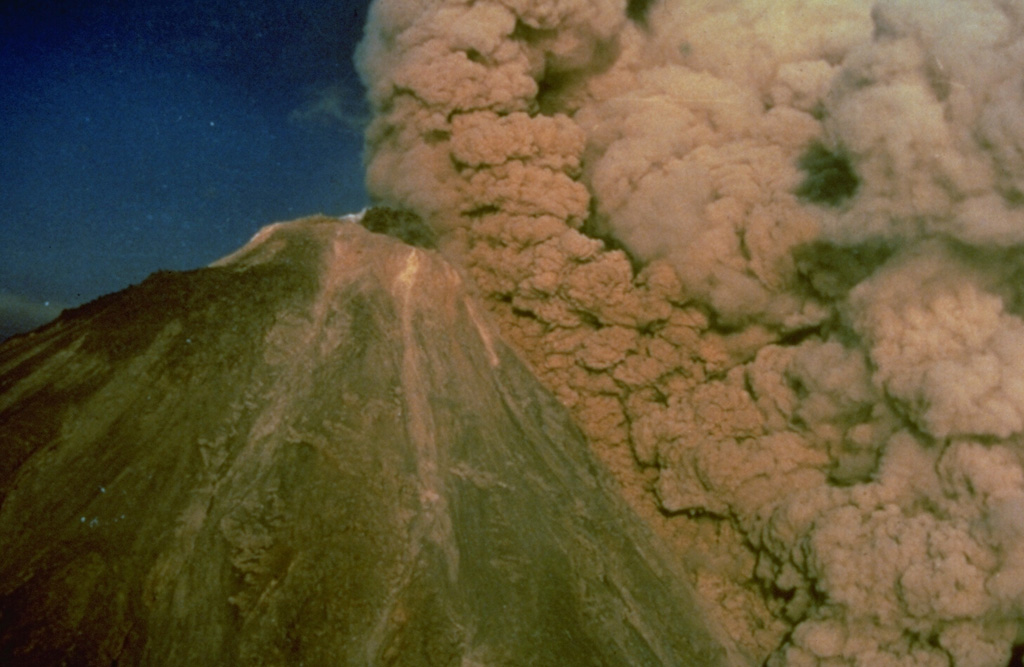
pixel 315 451
pixel 169 325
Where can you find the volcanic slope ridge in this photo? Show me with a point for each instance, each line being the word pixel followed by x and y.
pixel 314 451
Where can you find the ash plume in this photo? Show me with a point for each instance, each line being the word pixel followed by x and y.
pixel 770 257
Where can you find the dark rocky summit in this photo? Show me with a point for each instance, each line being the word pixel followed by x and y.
pixel 314 452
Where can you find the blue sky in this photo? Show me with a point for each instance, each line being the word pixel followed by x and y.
pixel 137 136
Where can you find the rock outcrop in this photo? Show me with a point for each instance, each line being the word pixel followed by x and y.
pixel 316 451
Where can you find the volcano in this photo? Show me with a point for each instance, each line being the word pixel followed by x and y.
pixel 315 451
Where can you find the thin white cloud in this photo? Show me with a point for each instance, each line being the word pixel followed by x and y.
pixel 19 313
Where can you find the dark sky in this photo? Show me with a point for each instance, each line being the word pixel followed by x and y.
pixel 139 135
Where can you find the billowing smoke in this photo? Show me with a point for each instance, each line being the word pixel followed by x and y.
pixel 769 254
